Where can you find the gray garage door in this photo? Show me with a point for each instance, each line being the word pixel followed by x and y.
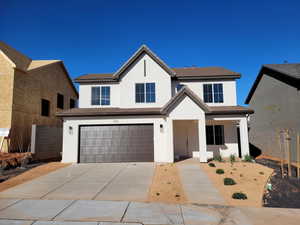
pixel 116 143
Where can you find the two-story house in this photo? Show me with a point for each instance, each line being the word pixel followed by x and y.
pixel 147 111
pixel 31 92
pixel 275 97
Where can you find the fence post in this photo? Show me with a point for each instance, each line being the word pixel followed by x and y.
pixel 33 137
pixel 298 155
pixel 288 146
pixel 282 154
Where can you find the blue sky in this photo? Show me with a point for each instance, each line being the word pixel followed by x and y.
pixel 99 36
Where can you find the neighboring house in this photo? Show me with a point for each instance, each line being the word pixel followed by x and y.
pixel 275 97
pixel 147 111
pixel 32 91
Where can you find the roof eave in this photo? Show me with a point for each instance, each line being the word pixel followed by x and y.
pixel 208 77
pixel 232 112
pixel 292 81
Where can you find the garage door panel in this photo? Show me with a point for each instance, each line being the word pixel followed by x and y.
pixel 116 143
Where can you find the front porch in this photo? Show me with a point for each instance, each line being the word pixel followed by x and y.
pixel 217 136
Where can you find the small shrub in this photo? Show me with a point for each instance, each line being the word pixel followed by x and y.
pixel 261 173
pixel 211 164
pixel 239 195
pixel 241 175
pixel 218 158
pixel 229 181
pixel 247 158
pixel 220 171
pixel 232 159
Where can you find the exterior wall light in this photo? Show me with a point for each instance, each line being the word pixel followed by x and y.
pixel 70 130
pixel 161 127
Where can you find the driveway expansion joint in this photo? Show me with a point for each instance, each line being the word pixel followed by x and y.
pixel 64 209
pixel 125 211
pixel 69 181
pixel 110 181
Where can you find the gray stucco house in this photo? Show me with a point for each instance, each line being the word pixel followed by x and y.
pixel 275 97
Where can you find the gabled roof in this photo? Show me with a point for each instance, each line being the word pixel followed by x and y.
pixel 201 73
pixel 20 60
pixel 185 91
pixel 205 73
pixel 288 73
pixel 139 52
pixel 26 64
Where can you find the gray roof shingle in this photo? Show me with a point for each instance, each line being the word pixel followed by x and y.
pixel 291 69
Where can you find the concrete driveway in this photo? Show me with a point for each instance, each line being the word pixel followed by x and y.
pixel 111 181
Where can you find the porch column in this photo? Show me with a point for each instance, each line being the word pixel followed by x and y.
pixel 244 136
pixel 202 140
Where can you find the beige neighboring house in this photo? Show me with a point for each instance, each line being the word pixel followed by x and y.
pixel 31 92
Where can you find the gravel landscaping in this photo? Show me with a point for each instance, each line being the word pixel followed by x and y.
pixel 285 192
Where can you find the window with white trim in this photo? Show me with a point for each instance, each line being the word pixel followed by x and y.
pixel 215 135
pixel 213 93
pixel 145 92
pixel 100 95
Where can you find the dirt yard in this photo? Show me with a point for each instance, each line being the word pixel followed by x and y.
pixel 166 185
pixel 250 179
pixel 31 174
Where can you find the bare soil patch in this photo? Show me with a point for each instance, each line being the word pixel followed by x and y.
pixel 30 174
pixel 285 192
pixel 250 178
pixel 166 185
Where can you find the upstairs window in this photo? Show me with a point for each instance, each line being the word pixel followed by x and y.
pixel 179 87
pixel 150 92
pixel 218 93
pixel 72 103
pixel 213 93
pixel 215 135
pixel 145 92
pixel 101 95
pixel 105 95
pixel 45 107
pixel 60 101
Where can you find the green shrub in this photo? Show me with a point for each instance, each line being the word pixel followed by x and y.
pixel 247 158
pixel 232 159
pixel 239 195
pixel 220 171
pixel 229 181
pixel 211 164
pixel 218 158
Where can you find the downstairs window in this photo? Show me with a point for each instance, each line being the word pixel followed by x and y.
pixel 215 135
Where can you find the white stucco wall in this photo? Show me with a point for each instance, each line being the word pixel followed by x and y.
pixel 85 95
pixel 229 90
pixel 162 150
pixel 187 109
pixel 123 93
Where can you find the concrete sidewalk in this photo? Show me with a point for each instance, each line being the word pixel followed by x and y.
pixel 93 212
pixel 197 186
